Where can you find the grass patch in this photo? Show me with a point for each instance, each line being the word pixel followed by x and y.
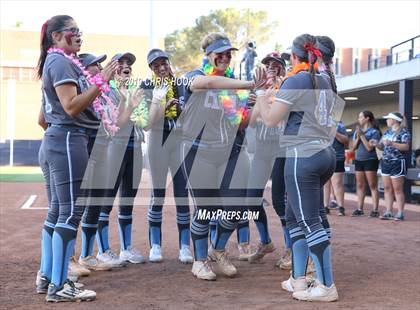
pixel 21 174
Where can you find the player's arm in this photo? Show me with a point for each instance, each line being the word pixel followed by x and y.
pixel 403 147
pixel 343 139
pixel 272 113
pixel 201 82
pixel 41 120
pixel 254 112
pixel 365 142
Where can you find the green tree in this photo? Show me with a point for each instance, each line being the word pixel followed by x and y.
pixel 184 46
pixel 278 47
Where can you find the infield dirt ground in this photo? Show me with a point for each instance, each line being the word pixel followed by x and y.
pixel 376 264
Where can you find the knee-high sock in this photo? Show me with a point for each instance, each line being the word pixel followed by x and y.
pixel 88 239
pixel 242 232
pixel 199 235
pixel 183 223
pixel 125 223
pixel 300 252
pixel 320 250
pixel 63 240
pixel 47 250
pixel 124 228
pixel 155 225
pixel 224 230
pixel 286 234
pixel 255 197
pixel 213 227
pixel 262 226
pixel 102 233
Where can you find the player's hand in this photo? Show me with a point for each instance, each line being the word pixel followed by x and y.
pixel 136 97
pixel 124 94
pixel 260 78
pixel 109 70
pixel 387 142
pixel 159 93
pixel 171 103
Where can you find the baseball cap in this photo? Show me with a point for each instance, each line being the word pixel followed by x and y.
pixel 220 46
pixel 391 115
pixel 155 54
pixel 274 56
pixel 89 59
pixel 130 57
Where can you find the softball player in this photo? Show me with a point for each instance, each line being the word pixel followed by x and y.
pixel 165 154
pixel 67 100
pixel 125 160
pixel 216 162
pixel 309 164
pixel 366 163
pixel 268 161
pixel 394 143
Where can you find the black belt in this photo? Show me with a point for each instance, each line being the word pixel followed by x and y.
pixel 74 128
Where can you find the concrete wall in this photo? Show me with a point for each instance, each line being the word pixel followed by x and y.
pixel 28 103
pixel 20 49
pixel 346 61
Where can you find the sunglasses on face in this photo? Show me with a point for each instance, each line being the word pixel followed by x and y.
pixel 73 30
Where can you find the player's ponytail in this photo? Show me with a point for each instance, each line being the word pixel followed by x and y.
pixel 304 47
pixel 53 24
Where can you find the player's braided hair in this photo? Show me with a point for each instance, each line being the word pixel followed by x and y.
pixel 327 48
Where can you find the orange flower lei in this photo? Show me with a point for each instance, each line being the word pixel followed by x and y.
pixel 303 66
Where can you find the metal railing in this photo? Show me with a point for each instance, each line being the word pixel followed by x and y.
pixel 401 52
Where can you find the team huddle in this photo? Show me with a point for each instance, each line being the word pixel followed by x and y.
pixel 95 119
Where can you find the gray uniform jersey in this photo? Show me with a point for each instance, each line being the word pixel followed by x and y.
pixel 59 70
pixel 264 133
pixel 313 113
pixel 204 114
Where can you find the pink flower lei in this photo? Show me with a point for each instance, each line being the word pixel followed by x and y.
pixel 108 112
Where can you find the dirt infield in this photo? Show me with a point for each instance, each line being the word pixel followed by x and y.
pixel 376 265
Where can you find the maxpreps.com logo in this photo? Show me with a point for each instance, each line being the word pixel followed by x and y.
pixel 204 214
